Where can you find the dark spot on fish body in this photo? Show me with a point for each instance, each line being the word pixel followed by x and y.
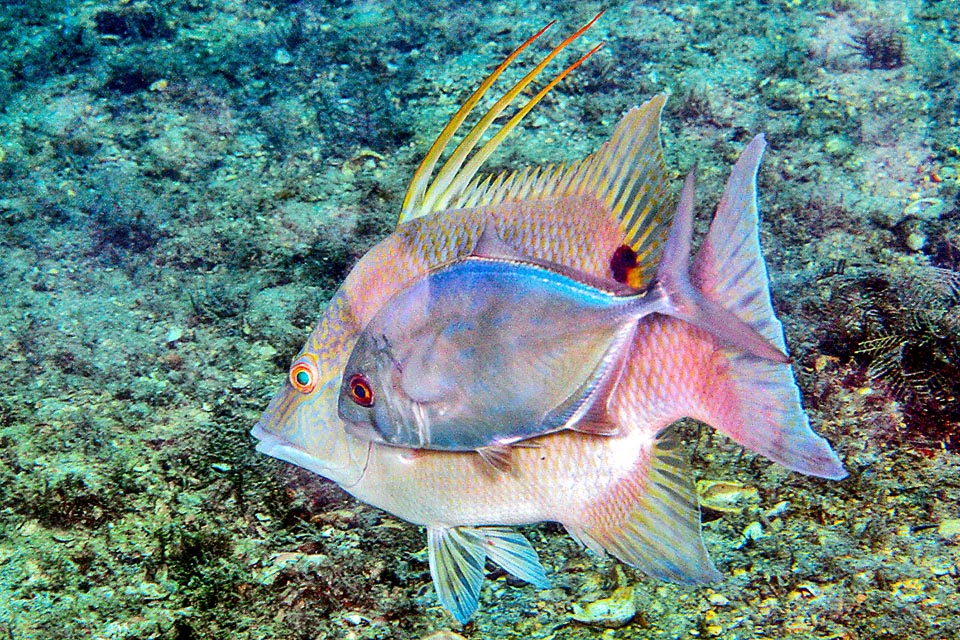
pixel 623 260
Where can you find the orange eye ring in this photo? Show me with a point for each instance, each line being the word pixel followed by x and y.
pixel 360 390
pixel 303 375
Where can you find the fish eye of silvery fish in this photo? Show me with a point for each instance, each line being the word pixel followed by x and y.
pixel 564 307
pixel 360 390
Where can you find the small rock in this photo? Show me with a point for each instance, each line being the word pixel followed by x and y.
pixel 174 334
pixel 777 510
pixel 613 612
pixel 949 528
pixel 753 531
pixel 915 240
pixel 726 497
pixel 909 590
pixel 925 208
pixel 443 635
pixel 718 600
pixel 282 56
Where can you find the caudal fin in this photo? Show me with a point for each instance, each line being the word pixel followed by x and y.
pixel 685 301
pixel 730 272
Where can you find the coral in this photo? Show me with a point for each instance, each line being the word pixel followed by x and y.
pixel 881 46
pixel 899 328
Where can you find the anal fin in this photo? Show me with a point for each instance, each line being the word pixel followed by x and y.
pixel 658 529
pixel 457 556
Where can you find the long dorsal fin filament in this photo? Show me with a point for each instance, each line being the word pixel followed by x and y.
pixel 424 196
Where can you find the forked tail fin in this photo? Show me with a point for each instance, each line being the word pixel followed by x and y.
pixel 683 300
pixel 729 270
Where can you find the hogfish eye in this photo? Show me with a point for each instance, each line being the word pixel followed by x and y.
pixel 360 390
pixel 303 375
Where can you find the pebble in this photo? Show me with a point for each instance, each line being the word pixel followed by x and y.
pixel 753 531
pixel 726 497
pixel 719 600
pixel 916 240
pixel 777 510
pixel 174 334
pixel 282 56
pixel 909 590
pixel 443 635
pixel 949 528
pixel 613 612
pixel 925 208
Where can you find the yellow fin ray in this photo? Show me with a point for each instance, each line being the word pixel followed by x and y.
pixel 421 177
pixel 459 177
pixel 626 174
pixel 425 197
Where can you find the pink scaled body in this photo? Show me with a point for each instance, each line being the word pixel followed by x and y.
pixel 629 494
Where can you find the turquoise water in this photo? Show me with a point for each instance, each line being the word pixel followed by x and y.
pixel 185 183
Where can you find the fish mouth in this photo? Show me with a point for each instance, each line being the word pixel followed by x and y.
pixel 341 458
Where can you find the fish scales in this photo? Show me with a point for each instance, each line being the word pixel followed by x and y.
pixel 630 495
pixel 569 472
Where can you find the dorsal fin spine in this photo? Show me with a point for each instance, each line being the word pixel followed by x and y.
pixel 421 177
pixel 425 196
pixel 460 176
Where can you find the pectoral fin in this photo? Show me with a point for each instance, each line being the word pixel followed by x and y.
pixel 586 409
pixel 457 556
pixel 500 457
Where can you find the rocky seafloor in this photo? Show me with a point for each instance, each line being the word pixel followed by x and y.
pixel 186 182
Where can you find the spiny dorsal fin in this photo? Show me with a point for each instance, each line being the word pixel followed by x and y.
pixel 627 174
pixel 424 196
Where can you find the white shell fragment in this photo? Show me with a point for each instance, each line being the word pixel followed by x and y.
pixel 613 612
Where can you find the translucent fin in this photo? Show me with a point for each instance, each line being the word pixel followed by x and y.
pixel 685 302
pixel 729 269
pixel 653 523
pixel 513 552
pixel 589 413
pixel 457 556
pixel 499 457
pixel 424 196
pixel 456 566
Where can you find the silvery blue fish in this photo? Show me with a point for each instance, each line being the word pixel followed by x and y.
pixel 498 348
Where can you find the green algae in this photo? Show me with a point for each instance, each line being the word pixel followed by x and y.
pixel 163 167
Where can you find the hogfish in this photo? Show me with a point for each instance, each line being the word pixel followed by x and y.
pixel 629 493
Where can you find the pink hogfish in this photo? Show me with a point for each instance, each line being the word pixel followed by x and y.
pixel 628 492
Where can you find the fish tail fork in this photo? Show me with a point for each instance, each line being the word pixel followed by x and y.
pixel 760 405
pixel 683 300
